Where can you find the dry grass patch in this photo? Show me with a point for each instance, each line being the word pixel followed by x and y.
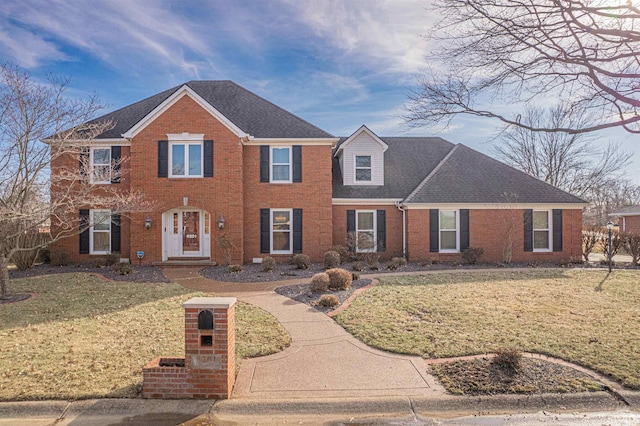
pixel 587 317
pixel 83 337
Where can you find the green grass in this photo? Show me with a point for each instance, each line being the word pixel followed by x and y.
pixel 83 337
pixel 586 317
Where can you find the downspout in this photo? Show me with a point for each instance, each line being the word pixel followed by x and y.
pixel 402 208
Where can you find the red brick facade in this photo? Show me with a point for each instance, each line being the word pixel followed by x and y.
pixel 630 224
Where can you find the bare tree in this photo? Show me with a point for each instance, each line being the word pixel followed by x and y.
pixel 504 53
pixel 608 197
pixel 31 112
pixel 571 162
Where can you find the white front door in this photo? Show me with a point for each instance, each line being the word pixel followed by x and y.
pixel 186 233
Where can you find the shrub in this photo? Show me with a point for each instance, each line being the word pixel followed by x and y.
pixel 339 279
pixel 268 263
pixel 396 262
pixel 319 283
pixel 357 265
pixel 631 244
pixel 426 262
pixel 344 253
pixel 507 359
pixel 112 259
pixel 590 238
pixel 374 265
pixel 44 256
pixel 234 269
pixel 124 269
pixel 331 259
pixel 226 244
pixel 355 276
pixel 472 254
pixel 25 259
pixel 301 261
pixel 59 258
pixel 328 300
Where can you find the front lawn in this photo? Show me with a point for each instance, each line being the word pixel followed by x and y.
pixel 84 337
pixel 586 317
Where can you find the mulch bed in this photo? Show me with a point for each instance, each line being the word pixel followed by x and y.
pixel 301 293
pixel 534 376
pixel 139 274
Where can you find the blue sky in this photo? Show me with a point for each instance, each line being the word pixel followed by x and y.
pixel 336 63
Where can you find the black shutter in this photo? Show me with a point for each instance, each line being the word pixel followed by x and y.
pixel 464 229
pixel 351 221
pixel 381 226
pixel 297 163
pixel 84 231
pixel 208 159
pixel 116 154
pixel 84 162
pixel 265 241
pixel 115 232
pixel 434 230
pixel 264 163
pixel 163 158
pixel 528 230
pixel 557 230
pixel 297 230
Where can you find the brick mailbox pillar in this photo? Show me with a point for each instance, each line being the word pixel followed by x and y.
pixel 208 369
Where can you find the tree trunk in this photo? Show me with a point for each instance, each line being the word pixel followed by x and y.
pixel 4 277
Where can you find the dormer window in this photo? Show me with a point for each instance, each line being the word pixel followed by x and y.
pixel 363 168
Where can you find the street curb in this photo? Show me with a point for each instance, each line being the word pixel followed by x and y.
pixel 33 409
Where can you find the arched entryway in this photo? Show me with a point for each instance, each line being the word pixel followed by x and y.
pixel 186 234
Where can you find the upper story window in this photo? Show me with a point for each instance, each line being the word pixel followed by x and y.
pixel 281 164
pixel 363 168
pixel 449 231
pixel 100 165
pixel 365 231
pixel 541 230
pixel 185 159
pixel 100 234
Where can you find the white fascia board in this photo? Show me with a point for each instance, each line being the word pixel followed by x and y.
pixel 290 141
pixel 614 214
pixel 170 101
pixel 495 206
pixel 105 142
pixel 362 129
pixel 365 201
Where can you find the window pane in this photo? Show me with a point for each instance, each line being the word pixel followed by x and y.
pixel 101 241
pixel 541 239
pixel 101 220
pixel 448 240
pixel 101 173
pixel 363 174
pixel 281 220
pixel 280 155
pixel 195 161
pixel 365 220
pixel 363 161
pixel 281 173
pixel 102 156
pixel 447 219
pixel 541 220
pixel 365 241
pixel 177 160
pixel 281 241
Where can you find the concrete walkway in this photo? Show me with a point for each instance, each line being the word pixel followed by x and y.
pixel 323 359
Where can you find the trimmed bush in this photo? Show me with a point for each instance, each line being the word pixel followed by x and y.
pixel 396 263
pixel 60 258
pixel 344 253
pixel 268 263
pixel 112 258
pixel 507 359
pixel 124 269
pixel 319 283
pixel 301 261
pixel 357 266
pixel 472 254
pixel 339 279
pixel 331 259
pixel 234 269
pixel 328 300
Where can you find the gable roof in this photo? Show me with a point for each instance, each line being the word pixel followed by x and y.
pixel 362 129
pixel 423 170
pixel 249 112
pixel 627 211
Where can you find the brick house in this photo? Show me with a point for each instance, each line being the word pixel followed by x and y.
pixel 628 219
pixel 222 162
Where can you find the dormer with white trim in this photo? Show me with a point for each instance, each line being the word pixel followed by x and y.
pixel 362 158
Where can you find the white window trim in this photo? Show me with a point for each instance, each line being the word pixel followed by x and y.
pixel 549 230
pixel 271 231
pixel 92 230
pixel 92 165
pixel 186 144
pixel 356 168
pixel 457 249
pixel 375 232
pixel 271 164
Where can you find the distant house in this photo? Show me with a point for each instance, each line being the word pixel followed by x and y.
pixel 628 219
pixel 220 160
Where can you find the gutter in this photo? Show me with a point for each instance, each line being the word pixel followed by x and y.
pixel 402 208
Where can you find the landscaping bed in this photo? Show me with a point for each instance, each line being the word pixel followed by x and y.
pixel 138 274
pixel 302 293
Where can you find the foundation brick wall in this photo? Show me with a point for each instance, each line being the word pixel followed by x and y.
pixel 199 378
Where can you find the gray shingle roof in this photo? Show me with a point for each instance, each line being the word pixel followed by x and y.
pixel 249 112
pixel 629 210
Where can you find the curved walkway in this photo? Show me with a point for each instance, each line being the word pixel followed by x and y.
pixel 323 359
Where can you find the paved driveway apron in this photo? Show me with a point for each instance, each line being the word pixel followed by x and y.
pixel 323 359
